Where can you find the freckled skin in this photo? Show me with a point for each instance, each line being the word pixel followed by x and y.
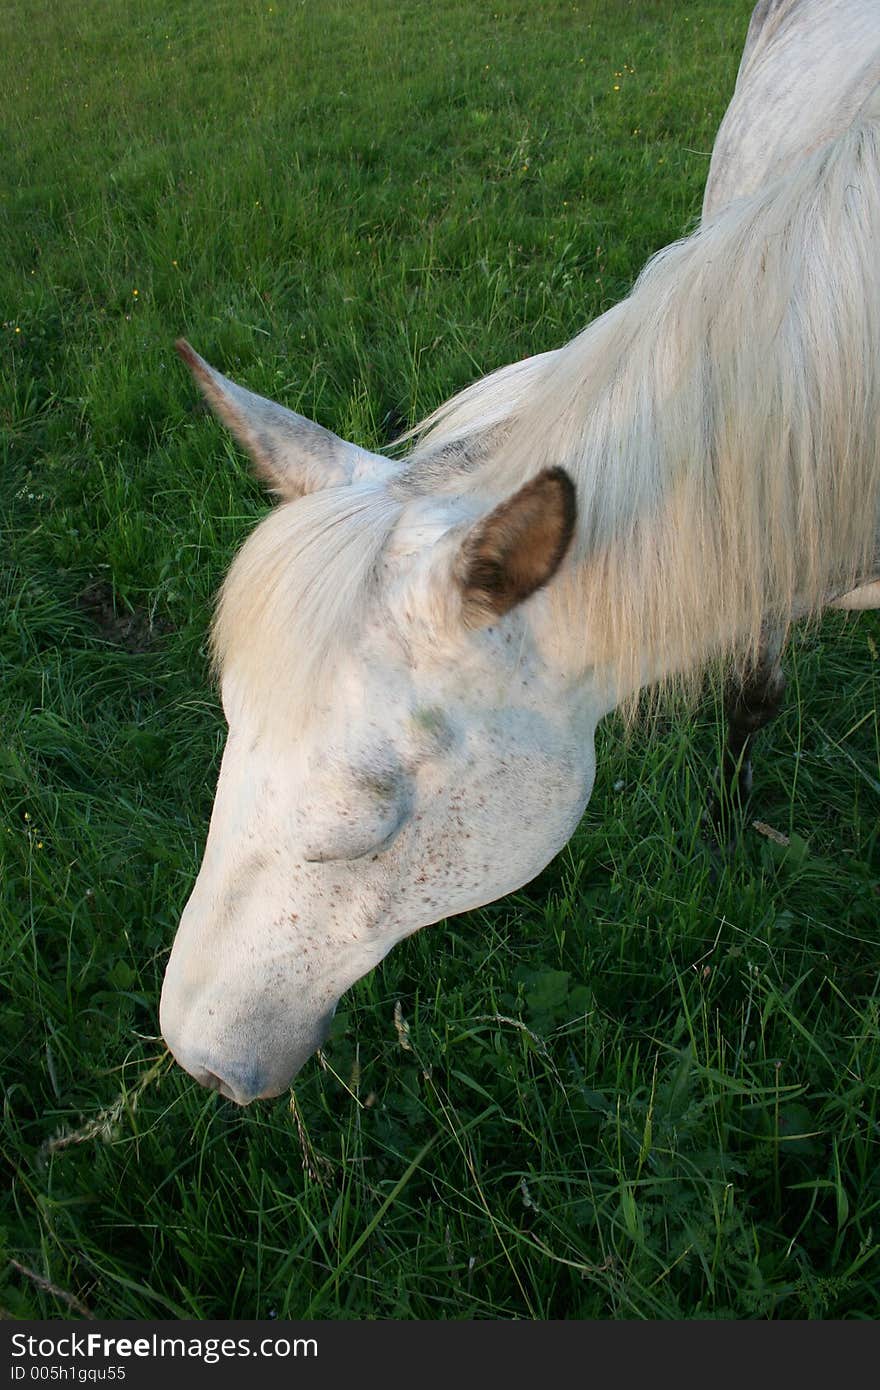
pixel 450 757
pixel 467 763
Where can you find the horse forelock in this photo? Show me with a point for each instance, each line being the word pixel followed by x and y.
pixel 297 596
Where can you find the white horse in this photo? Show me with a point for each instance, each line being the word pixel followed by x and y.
pixel 414 656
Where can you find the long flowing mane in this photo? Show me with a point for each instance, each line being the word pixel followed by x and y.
pixel 721 425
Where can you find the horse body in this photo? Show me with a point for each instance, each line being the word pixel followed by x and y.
pixel 410 652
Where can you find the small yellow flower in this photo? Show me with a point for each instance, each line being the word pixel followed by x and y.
pixel 134 294
pixel 617 86
pixel 39 844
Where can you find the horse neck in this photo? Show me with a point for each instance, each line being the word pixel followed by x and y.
pixel 719 426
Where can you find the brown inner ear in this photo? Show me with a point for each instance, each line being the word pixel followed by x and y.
pixel 518 547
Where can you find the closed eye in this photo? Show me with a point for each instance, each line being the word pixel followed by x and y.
pixel 349 849
pixel 380 806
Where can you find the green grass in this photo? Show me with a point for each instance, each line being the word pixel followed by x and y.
pixel 645 1086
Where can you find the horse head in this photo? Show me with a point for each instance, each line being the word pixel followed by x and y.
pixel 404 741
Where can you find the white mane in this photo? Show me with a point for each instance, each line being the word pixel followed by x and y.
pixel 720 424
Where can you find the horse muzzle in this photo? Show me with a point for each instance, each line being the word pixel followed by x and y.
pixel 240 1050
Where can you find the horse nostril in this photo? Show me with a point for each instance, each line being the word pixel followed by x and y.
pixel 239 1089
pixel 213 1083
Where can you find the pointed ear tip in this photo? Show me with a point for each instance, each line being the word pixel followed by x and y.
pixel 562 487
pixel 188 354
pixel 561 479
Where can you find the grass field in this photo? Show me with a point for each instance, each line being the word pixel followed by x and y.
pixel 643 1087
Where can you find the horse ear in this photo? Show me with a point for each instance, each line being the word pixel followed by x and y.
pixel 290 454
pixel 517 548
